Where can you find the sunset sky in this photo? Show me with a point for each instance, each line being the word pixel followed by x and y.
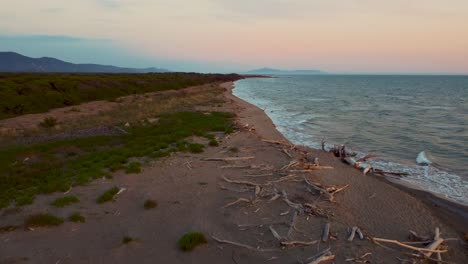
pixel 341 36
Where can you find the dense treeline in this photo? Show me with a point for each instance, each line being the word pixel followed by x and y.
pixel 34 93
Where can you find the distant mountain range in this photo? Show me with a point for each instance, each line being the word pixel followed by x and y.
pixel 14 62
pixel 285 72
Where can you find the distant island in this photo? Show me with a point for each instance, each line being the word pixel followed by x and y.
pixel 14 62
pixel 285 72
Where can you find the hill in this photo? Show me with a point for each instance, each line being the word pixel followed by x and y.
pixel 14 62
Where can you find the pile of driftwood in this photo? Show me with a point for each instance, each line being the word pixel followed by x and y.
pixel 296 172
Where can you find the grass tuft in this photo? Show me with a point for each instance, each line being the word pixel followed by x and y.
pixel 42 220
pixel 8 228
pixel 77 218
pixel 234 150
pixel 127 239
pixel 150 204
pixel 64 201
pixel 190 240
pixel 195 148
pixel 48 122
pixel 213 143
pixel 133 167
pixel 107 195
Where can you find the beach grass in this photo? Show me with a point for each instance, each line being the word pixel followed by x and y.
pixel 64 201
pixel 43 220
pixel 77 218
pixel 190 240
pixel 133 167
pixel 150 204
pixel 26 171
pixel 107 195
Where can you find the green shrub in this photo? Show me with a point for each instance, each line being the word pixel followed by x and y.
pixel 127 239
pixel 64 201
pixel 149 204
pixel 48 122
pixel 213 143
pixel 107 195
pixel 133 167
pixel 234 149
pixel 190 240
pixel 40 220
pixel 195 148
pixel 77 218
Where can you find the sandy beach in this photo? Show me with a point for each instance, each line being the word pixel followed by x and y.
pixel 195 194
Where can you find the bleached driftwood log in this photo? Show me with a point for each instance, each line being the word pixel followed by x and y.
pixel 326 232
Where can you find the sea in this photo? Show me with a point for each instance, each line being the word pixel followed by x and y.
pixel 414 124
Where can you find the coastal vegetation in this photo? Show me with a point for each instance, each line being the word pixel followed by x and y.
pixel 28 170
pixel 150 204
pixel 190 240
pixel 36 93
pixel 42 220
pixel 64 201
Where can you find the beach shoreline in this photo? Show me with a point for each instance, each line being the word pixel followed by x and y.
pixel 198 192
pixel 450 210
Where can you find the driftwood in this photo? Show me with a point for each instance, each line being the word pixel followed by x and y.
pixel 328 195
pixel 258 175
pixel 276 142
pixel 436 238
pixel 229 158
pixel 294 205
pixel 396 242
pixel 352 234
pixel 325 255
pixel 275 197
pixel 275 234
pixel 314 167
pixel 298 243
pixel 359 259
pixel 326 232
pixel 242 182
pixel 240 200
pixel 360 234
pixel 243 245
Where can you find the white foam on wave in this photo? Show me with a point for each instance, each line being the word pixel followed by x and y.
pixel 422 159
pixel 422 174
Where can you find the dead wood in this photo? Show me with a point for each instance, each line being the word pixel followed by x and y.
pixel 240 200
pixel 326 232
pixel 359 259
pixel 287 153
pixel 353 233
pixel 294 205
pixel 242 182
pixel 229 158
pixel 328 195
pixel 298 243
pixel 275 234
pixel 436 238
pixel 360 234
pixel 243 245
pixel 396 242
pixel 275 197
pixel 258 175
pixel 322 257
pixel 292 226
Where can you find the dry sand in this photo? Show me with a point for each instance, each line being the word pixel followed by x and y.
pixel 191 195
